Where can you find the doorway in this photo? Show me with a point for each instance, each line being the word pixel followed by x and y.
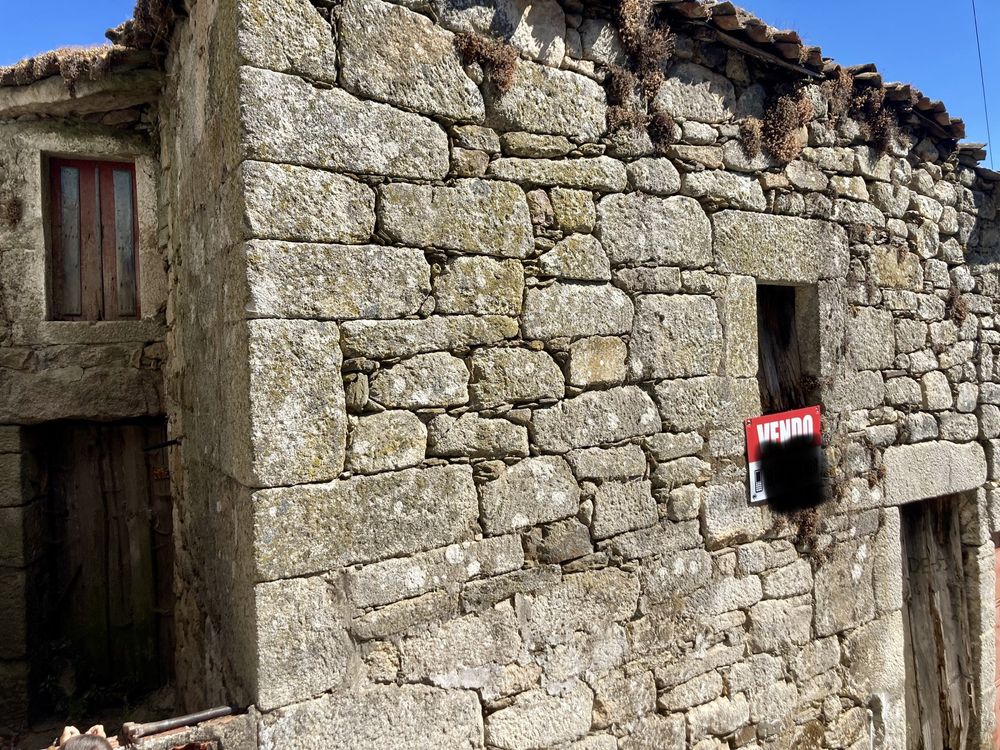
pixel 101 597
pixel 940 689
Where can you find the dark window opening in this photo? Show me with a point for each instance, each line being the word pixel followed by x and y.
pixel 94 269
pixel 100 595
pixel 783 371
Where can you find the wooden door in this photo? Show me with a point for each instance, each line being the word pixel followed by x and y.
pixel 939 688
pixel 109 630
pixel 996 608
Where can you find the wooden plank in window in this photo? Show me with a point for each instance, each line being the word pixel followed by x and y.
pixel 68 286
pixel 109 263
pixel 780 366
pixel 125 242
pixel 90 246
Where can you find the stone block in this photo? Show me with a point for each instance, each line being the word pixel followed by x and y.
pixel 391 54
pixel 792 580
pixel 620 697
pixel 388 717
pixel 511 376
pixel 887 570
pixel 581 602
pixel 405 616
pixel 530 492
pixel 719 717
pixel 875 665
pixel 317 527
pixel 655 732
pixel 727 518
pixel 10 439
pixel 536 29
pixel 844 588
pixel 720 189
pixel 480 286
pixel 285 202
pixel 695 692
pixel 387 339
pixel 574 210
pixel 287 36
pixel 401 578
pixel 285 117
pixel 471 435
pixel 425 380
pixel 671 577
pixel 594 418
pixel 549 100
pixel 693 92
pixel 13 695
pixel 870 343
pixel 572 310
pixel 13 613
pixel 296 417
pixel 781 626
pixel 534 145
pixel 578 257
pixel 537 719
pixel 388 441
pixel 815 658
pixel 638 229
pixel 621 507
pixel 859 390
pixel 597 361
pixel 654 176
pixel 475 216
pixel 300 280
pixel 695 403
pixel 739 320
pixel 724 595
pixel 302 644
pixel 931 469
pixel 626 462
pixel 600 173
pixel 936 391
pixel 675 336
pixel 489 591
pixel 464 653
pixel 777 249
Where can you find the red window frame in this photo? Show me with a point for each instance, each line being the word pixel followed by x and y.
pixel 94 264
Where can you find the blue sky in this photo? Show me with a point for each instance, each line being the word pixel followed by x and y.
pixel 917 41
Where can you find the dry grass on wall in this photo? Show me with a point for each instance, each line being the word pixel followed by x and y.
pixel 632 91
pixel 498 60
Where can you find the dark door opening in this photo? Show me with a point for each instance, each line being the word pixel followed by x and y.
pixel 938 637
pixel 101 598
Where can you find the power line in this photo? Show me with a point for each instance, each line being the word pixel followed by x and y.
pixel 982 80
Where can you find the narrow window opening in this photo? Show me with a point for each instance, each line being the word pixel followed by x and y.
pixel 780 364
pixel 93 230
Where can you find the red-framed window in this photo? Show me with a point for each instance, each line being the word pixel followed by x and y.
pixel 94 266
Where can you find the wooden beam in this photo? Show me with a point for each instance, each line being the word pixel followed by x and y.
pixel 749 49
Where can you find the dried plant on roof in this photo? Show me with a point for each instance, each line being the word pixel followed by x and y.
pixel 782 124
pixel 878 122
pixel 498 60
pixel 74 64
pixel 839 91
pixel 150 25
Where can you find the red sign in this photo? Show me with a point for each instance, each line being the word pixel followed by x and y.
pixel 776 428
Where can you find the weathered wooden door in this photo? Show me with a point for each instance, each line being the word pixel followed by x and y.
pixel 108 630
pixel 939 688
pixel 996 608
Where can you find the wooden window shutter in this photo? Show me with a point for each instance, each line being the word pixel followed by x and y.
pixel 94 269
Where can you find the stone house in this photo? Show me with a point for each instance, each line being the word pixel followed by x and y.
pixel 381 368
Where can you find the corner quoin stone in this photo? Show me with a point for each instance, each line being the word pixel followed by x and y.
pixel 318 527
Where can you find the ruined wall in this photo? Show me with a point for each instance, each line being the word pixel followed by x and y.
pixel 465 407
pixel 56 370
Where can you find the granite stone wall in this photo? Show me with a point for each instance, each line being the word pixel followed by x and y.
pixel 462 381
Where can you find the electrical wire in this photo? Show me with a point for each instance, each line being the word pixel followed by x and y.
pixel 982 80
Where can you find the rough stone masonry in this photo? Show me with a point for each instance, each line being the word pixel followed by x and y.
pixel 461 376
